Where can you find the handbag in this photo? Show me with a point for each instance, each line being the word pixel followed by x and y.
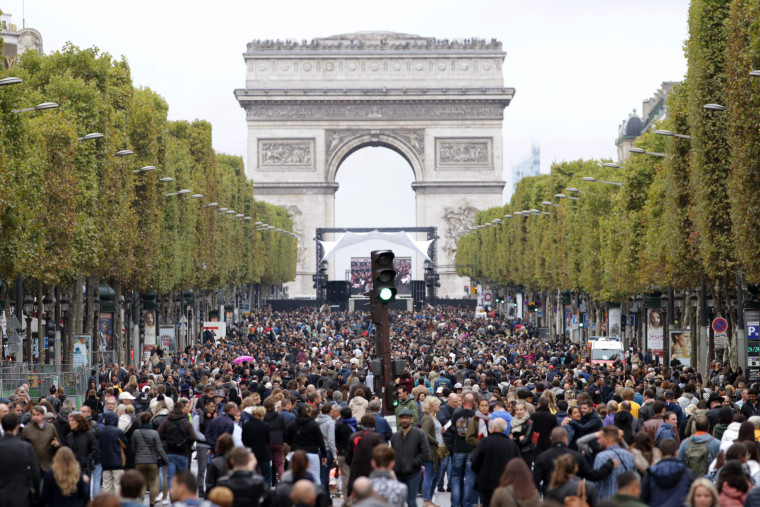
pixel 579 499
pixel 443 452
pixel 122 448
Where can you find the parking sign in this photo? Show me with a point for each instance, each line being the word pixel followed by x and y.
pixel 753 330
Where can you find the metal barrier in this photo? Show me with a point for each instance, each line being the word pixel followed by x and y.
pixel 41 377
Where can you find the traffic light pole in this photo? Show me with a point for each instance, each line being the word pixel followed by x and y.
pixel 385 354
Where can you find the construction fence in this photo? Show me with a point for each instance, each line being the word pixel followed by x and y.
pixel 40 377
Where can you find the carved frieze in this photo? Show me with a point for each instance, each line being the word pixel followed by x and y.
pixel 412 138
pixel 463 152
pixel 297 216
pixel 286 154
pixel 457 220
pixel 486 110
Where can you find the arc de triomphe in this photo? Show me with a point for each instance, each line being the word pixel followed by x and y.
pixel 439 104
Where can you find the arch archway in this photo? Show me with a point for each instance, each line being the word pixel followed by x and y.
pixel 438 103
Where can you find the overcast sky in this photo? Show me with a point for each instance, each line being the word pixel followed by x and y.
pixel 579 67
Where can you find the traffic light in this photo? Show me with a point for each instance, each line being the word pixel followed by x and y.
pixel 383 276
pixel 580 321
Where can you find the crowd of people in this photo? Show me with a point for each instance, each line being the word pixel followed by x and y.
pixel 484 410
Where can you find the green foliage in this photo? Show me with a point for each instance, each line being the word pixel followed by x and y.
pixel 71 208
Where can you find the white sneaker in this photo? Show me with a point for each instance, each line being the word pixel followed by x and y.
pixel 159 497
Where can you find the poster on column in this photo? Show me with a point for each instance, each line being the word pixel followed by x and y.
pixel 82 350
pixel 680 346
pixel 655 330
pixel 168 337
pixel 613 324
pixel 105 330
pixel 149 341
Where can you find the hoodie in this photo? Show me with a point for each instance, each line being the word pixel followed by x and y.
pixel 327 427
pixel 730 434
pixel 111 439
pixel 712 448
pixel 666 484
pixel 503 414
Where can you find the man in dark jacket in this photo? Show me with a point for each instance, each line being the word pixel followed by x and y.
pixel 412 451
pixel 359 450
pixel 178 435
pixel 490 458
pixel 590 421
pixel 276 424
pixel 256 438
pixel 544 464
pixel 667 483
pixel 112 442
pixel 304 434
pixel 222 423
pixel 19 469
pixel 381 425
pixel 248 488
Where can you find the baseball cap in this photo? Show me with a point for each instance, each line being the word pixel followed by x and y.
pixel 405 412
pixel 126 396
pixel 439 390
pixel 457 386
pixel 670 394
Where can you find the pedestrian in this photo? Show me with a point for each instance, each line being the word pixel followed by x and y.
pixel 132 489
pixel 65 485
pixel 543 423
pixel 434 432
pixel 43 436
pixel 149 454
pixel 412 451
pixel 204 414
pixel 255 436
pixel 491 456
pixel 304 434
pixel 113 457
pixel 461 459
pixel 217 467
pixel 384 482
pixel 299 470
pixel 565 483
pixel 522 432
pixel 700 449
pixel 628 490
pixel 703 494
pixel 276 425
pixel 178 436
pixel 608 439
pixel 82 441
pixel 248 488
pixel 734 482
pixel 326 424
pixel 516 488
pixel 19 468
pixel 667 483
pixel 360 446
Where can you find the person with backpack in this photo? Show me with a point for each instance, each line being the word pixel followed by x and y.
pixel 343 431
pixel 178 435
pixel 667 483
pixel 700 449
pixel 668 430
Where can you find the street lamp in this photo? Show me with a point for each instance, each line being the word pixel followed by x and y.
pixel 28 309
pixel 123 153
pixel 573 189
pixel 222 210
pixel 93 135
pixel 714 107
pixel 166 180
pixel 144 169
pixel 641 151
pixel 38 107
pixel 563 196
pixel 210 205
pixel 611 164
pixel 549 203
pixel 10 81
pixel 671 134
pixel 196 196
pixel 589 178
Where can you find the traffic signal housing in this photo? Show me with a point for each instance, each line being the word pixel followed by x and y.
pixel 383 276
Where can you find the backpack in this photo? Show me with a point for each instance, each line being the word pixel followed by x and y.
pixel 696 458
pixel 578 500
pixel 664 433
pixel 176 437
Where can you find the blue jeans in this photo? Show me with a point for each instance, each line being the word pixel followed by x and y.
pixel 445 465
pixel 431 480
pixel 266 471
pixel 314 463
pixel 97 479
pixel 461 466
pixel 412 487
pixel 324 470
pixel 176 462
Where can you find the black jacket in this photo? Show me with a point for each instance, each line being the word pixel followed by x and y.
pixel 110 440
pixel 490 458
pixel 304 434
pixel 20 472
pixel 248 488
pixel 217 468
pixel 544 465
pixel 412 452
pixel 256 437
pixel 276 424
pixel 85 447
pixel 543 423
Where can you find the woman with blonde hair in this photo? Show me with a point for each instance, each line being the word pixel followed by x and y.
pixel 702 494
pixel 552 399
pixel 64 485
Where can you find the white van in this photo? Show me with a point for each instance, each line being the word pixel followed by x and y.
pixel 606 351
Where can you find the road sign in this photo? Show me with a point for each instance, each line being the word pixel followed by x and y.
pixel 3 323
pixel 753 330
pixel 487 297
pixel 719 325
pixel 14 324
pixel 539 313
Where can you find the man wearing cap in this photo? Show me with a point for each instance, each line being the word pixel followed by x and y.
pixel 714 404
pixel 406 402
pixel 412 451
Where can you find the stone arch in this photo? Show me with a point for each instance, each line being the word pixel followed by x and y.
pixel 401 143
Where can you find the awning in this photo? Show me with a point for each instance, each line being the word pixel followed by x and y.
pixel 397 238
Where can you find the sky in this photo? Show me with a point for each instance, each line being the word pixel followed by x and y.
pixel 579 67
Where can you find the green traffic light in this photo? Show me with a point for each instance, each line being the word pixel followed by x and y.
pixel 385 294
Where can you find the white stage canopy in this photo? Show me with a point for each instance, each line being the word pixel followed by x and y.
pixel 397 238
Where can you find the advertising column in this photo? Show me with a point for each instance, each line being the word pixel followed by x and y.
pixel 752 323
pixel 655 331
pixel 149 343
